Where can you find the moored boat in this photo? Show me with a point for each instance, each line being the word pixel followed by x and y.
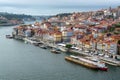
pixel 100 64
pixel 43 47
pixel 55 51
pixel 87 63
pixel 36 44
pixel 9 36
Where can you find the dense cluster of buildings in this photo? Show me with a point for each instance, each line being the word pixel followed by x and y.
pixel 6 22
pixel 94 30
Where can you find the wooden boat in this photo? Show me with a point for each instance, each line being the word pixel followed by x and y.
pixel 87 63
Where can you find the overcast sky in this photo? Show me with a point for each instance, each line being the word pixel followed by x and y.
pixel 36 7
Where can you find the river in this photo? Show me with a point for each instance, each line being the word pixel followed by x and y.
pixel 20 61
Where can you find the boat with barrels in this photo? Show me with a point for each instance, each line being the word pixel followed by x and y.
pixel 90 63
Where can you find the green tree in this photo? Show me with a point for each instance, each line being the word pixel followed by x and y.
pixel 112 29
pixel 68 46
pixel 117 25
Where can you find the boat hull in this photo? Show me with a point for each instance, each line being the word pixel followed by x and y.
pixel 104 69
pixel 9 36
pixel 88 65
pixel 56 52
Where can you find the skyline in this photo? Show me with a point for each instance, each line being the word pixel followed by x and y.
pixel 51 7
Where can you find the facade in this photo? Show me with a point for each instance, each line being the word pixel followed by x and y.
pixel 85 30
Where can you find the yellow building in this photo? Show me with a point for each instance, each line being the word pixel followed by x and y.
pixel 57 36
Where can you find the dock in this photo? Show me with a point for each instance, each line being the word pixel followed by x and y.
pixel 79 52
pixel 109 61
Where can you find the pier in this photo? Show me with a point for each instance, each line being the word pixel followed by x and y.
pixel 109 61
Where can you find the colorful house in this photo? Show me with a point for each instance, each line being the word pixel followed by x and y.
pixel 57 36
pixel 54 36
pixel 66 35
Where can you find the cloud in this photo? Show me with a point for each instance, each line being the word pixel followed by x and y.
pixel 57 2
pixel 52 6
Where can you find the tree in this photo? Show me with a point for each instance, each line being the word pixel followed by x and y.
pixel 117 25
pixel 112 29
pixel 68 46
